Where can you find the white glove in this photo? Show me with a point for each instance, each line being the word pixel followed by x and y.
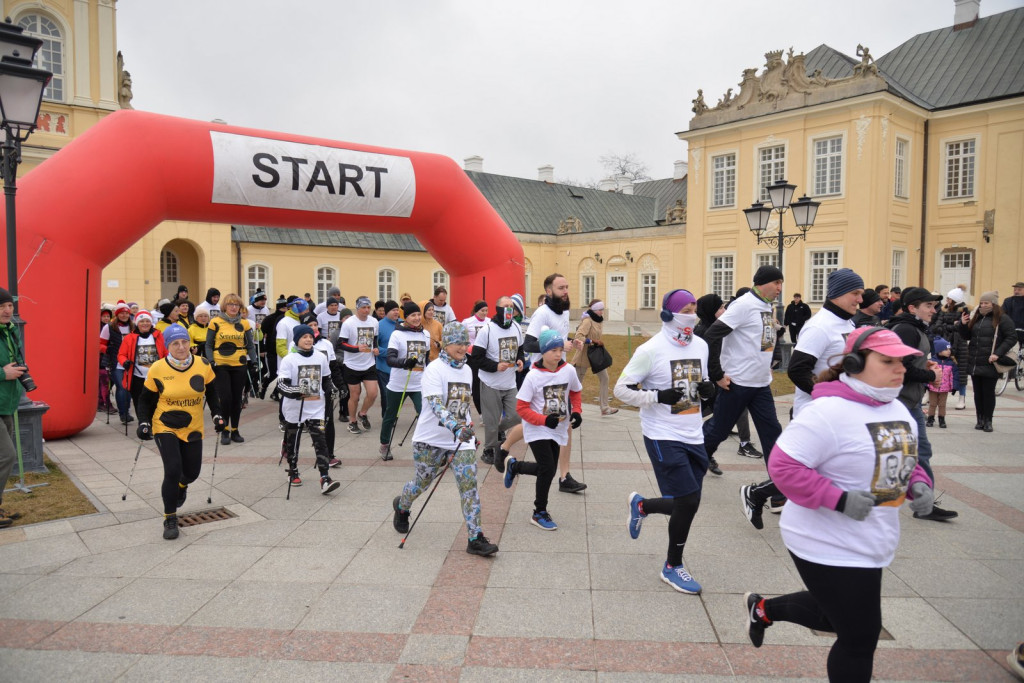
pixel 924 499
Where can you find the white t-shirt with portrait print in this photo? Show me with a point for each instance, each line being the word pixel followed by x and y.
pixel 307 373
pixel 408 343
pixel 548 394
pixel 544 318
pixel 330 325
pixel 455 387
pixel 824 337
pixel 145 355
pixel 444 314
pixel 501 346
pixel 858 447
pixel 357 332
pixel 747 351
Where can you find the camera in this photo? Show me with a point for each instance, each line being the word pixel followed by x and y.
pixel 26 380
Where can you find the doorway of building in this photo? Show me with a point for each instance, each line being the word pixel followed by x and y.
pixel 179 265
pixel 957 267
pixel 616 304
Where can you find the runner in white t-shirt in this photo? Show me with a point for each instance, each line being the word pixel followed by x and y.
pixel 329 320
pixel 841 525
pixel 667 378
pixel 358 340
pixel 407 354
pixel 443 312
pixel 554 314
pixel 444 437
pixel 332 293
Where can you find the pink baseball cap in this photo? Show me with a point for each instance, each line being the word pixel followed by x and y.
pixel 881 340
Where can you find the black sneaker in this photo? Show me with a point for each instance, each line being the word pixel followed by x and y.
pixel 756 621
pixel 481 546
pixel 502 436
pixel 236 437
pixel 751 508
pixel 401 518
pixel 570 485
pixel 182 493
pixel 776 503
pixel 487 457
pixel 327 485
pixel 930 422
pixel 364 422
pixel 225 438
pixel 747 450
pixel 353 428
pixel 499 462
pixel 170 527
pixel 938 514
pixel 713 466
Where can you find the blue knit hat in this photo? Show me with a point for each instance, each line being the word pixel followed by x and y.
pixel 550 339
pixel 454 333
pixel 299 306
pixel 843 281
pixel 941 345
pixel 517 301
pixel 175 332
pixel 300 331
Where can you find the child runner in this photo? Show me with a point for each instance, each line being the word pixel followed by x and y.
pixel 445 433
pixel 667 378
pixel 304 379
pixel 171 411
pixel 408 347
pixel 550 394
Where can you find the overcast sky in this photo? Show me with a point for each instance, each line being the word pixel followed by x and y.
pixel 521 83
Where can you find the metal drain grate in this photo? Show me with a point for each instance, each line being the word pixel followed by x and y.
pixel 882 635
pixel 205 516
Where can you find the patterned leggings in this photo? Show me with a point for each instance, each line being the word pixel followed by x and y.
pixel 430 461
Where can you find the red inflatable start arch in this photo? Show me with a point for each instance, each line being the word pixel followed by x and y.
pixel 113 184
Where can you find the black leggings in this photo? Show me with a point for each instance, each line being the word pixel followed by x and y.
pixel 182 462
pixel 984 396
pixel 546 454
pixel 681 512
pixel 230 387
pixel 846 601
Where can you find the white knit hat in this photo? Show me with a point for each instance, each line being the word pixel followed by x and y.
pixel 956 294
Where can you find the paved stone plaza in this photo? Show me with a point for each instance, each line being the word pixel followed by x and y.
pixel 315 588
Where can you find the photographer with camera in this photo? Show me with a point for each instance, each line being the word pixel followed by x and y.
pixel 15 379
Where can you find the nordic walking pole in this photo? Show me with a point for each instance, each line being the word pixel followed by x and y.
pixel 437 482
pixel 415 418
pixel 401 403
pixel 216 445
pixel 124 496
pixel 295 467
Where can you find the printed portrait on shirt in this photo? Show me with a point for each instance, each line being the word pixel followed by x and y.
pixel 309 381
pixel 364 336
pixel 440 316
pixel 555 396
pixel 459 396
pixel 259 318
pixel 333 329
pixel 417 349
pixel 145 355
pixel 508 349
pixel 767 331
pixel 686 375
pixel 895 458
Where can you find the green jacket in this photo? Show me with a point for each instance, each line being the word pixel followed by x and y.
pixel 10 351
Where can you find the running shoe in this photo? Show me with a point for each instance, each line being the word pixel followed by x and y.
pixel 636 517
pixel 570 485
pixel 510 474
pixel 481 546
pixel 364 422
pixel 328 485
pixel 353 428
pixel 542 520
pixel 757 622
pixel 750 507
pixel 401 518
pixel 680 579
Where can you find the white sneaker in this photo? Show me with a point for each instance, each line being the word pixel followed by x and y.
pixel 962 403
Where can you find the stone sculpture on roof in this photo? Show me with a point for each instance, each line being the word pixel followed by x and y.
pixel 570 224
pixel 677 213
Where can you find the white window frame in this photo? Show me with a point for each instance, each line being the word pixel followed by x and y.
pixel 585 298
pixel 812 158
pixel 898 274
pixel 436 281
pixel 57 89
pixel 946 158
pixel 946 254
pixel 249 280
pixel 809 279
pixel 759 259
pixel 728 202
pixel 381 293
pixel 647 292
pixel 165 267
pixel 321 288
pixel 901 169
pixel 760 190
pixel 725 293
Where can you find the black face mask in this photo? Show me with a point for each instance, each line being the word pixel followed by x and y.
pixel 503 318
pixel 558 306
pixel 596 317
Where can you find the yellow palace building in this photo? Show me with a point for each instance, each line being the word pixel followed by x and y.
pixel 917 158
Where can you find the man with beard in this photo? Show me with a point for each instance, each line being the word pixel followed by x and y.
pixel 497 354
pixel 554 314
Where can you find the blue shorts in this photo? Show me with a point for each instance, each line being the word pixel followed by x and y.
pixel 679 467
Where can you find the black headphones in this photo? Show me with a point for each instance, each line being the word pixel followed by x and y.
pixel 666 315
pixel 853 362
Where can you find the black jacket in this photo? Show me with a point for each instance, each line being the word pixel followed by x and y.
pixel 913 332
pixel 944 325
pixel 980 343
pixel 1013 306
pixel 862 319
pixel 797 314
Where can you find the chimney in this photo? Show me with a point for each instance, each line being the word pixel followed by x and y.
pixel 624 184
pixel 679 170
pixel 965 13
pixel 474 163
pixel 606 185
pixel 546 174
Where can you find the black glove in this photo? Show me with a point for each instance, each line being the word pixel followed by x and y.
pixel 143 431
pixel 670 397
pixel 253 367
pixel 575 420
pixel 219 425
pixel 127 365
pixel 706 389
pixel 410 362
pixel 551 421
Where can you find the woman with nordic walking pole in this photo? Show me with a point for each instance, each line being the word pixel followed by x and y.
pixel 408 348
pixel 447 389
pixel 171 412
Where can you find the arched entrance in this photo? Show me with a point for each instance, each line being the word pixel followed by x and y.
pixel 179 265
pixel 168 168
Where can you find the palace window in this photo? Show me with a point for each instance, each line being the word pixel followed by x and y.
pixel 724 180
pixel 51 55
pixel 828 166
pixel 960 158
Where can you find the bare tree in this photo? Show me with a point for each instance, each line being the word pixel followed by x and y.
pixel 625 164
pixel 589 184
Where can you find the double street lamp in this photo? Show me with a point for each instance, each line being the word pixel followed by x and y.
pixel 21 95
pixel 780 194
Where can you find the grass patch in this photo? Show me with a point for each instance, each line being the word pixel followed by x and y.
pixel 621 348
pixel 60 499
